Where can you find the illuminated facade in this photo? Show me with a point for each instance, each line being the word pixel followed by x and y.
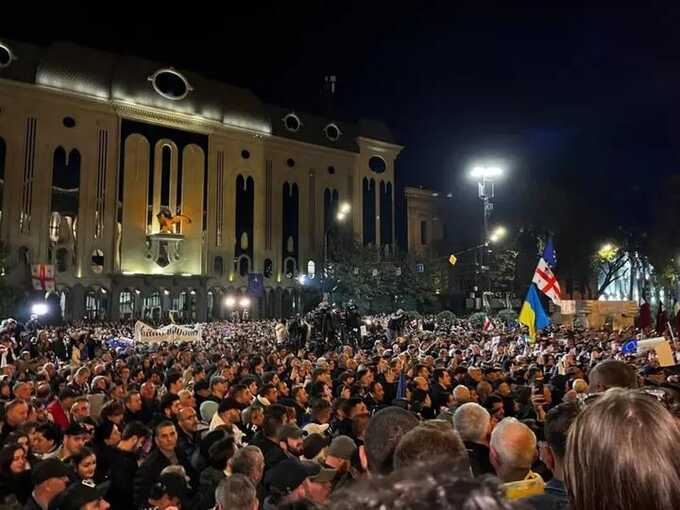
pixel 151 189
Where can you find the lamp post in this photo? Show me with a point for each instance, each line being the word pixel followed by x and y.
pixel 485 175
pixel 340 217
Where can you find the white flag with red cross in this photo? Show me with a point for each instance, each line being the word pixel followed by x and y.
pixel 547 283
pixel 43 277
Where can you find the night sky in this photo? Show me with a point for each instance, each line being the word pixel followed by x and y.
pixel 548 92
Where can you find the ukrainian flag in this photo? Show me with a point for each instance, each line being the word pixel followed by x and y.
pixel 532 315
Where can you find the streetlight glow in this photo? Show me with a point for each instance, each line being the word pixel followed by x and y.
pixel 244 303
pixel 39 309
pixel 301 279
pixel 485 172
pixel 345 208
pixel 498 234
pixel 340 216
pixel 230 301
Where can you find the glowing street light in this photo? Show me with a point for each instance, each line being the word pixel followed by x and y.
pixel 244 302
pixel 345 208
pixel 230 301
pixel 39 309
pixel 607 251
pixel 340 216
pixel 498 234
pixel 301 279
pixel 485 172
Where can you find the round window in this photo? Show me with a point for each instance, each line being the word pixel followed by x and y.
pixel 245 154
pixel 331 170
pixel 69 122
pixel 170 84
pixel 377 164
pixel 290 162
pixel 332 132
pixel 292 122
pixel 6 56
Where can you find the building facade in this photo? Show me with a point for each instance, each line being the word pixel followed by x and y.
pixel 424 219
pixel 151 189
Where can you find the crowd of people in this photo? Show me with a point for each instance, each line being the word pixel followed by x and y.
pixel 263 414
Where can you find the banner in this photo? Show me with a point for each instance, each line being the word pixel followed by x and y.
pixel 170 333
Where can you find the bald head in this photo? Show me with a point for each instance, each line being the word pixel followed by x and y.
pixel 579 386
pixel 513 449
pixel 611 374
pixel 471 421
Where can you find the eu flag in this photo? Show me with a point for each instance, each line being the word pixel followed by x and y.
pixel 549 254
pixel 256 284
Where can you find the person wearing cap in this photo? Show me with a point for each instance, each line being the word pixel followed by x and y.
pixel 314 445
pixel 75 437
pixel 291 440
pixel 84 495
pixel 170 491
pixel 289 481
pixel 339 456
pixel 228 414
pixel 49 478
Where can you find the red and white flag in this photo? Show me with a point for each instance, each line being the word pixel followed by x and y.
pixel 43 277
pixel 488 325
pixel 547 283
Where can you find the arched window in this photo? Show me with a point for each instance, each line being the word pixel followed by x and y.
pixel 243 266
pixel 166 161
pixel 290 268
pixel 311 269
pixel 268 268
pixel 152 306
pixel 211 304
pixel 126 304
pixel 92 304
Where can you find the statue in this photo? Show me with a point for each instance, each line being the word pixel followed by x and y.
pixel 166 220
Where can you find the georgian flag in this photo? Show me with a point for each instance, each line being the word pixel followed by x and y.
pixel 547 282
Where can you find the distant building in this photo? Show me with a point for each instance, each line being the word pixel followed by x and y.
pixel 425 211
pixel 151 189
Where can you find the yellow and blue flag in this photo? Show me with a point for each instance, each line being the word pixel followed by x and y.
pixel 532 314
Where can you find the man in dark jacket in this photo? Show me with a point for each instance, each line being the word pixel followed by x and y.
pixel 124 465
pixel 473 424
pixel 165 454
pixel 268 439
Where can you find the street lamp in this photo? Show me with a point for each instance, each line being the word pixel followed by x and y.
pixel 230 301
pixel 607 251
pixel 39 309
pixel 244 302
pixel 498 234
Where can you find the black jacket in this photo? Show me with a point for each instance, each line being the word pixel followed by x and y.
pixel 210 479
pixel 150 470
pixel 479 458
pixel 272 452
pixel 122 478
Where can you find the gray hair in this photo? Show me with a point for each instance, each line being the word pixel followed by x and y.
pixel 246 460
pixel 471 421
pixel 514 443
pixel 237 491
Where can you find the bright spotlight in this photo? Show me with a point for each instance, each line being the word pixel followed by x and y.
pixel 498 234
pixel 39 309
pixel 230 301
pixel 485 172
pixel 345 208
pixel 340 216
pixel 301 279
pixel 244 303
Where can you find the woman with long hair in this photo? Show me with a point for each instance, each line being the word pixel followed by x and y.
pixel 84 464
pixel 15 475
pixel 623 452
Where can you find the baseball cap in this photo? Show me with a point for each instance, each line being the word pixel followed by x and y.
pixel 325 475
pixel 79 494
pixel 316 428
pixel 313 444
pixel 342 447
pixel 290 431
pixel 49 468
pixel 288 475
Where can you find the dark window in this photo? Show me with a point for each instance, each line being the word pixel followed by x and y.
pixel 3 149
pixel 331 170
pixel 218 266
pixel 243 266
pixel 290 268
pixel 332 132
pixel 166 158
pixel 268 268
pixel 5 56
pixel 170 84
pixel 290 162
pixel 69 122
pixel 377 164
pixel 245 154
pixel 423 232
pixel 292 122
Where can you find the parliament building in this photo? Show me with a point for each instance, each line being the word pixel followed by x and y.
pixel 145 189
